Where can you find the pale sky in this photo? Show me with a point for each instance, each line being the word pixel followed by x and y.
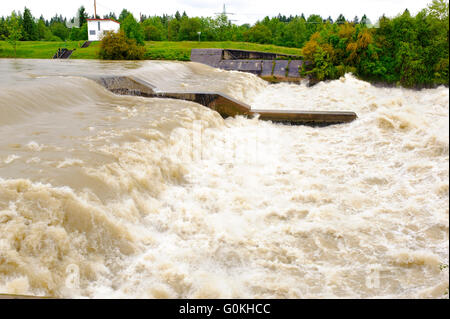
pixel 246 11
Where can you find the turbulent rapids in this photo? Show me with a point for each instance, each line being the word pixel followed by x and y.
pixel 103 195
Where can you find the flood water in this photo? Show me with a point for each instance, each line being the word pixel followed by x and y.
pixel 108 196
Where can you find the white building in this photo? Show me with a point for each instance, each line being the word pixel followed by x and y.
pixel 96 28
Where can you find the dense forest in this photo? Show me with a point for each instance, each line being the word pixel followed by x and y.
pixel 410 50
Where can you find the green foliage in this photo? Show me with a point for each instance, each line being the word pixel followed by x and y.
pixel 123 15
pixel 82 16
pixel 132 29
pixel 259 34
pixel 41 29
pixel 153 29
pixel 189 28
pixel 78 34
pixel 173 29
pixel 29 26
pixel 439 9
pixel 14 31
pixel 411 51
pixel 60 30
pixel 117 46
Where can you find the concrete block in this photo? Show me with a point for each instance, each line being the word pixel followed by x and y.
pixel 294 68
pixel 280 68
pixel 251 66
pixel 211 57
pixel 267 66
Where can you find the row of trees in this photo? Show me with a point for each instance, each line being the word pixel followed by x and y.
pixel 292 31
pixel 409 50
pixel 55 29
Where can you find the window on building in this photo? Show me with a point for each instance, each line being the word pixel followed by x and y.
pixel 99 26
pixel 92 32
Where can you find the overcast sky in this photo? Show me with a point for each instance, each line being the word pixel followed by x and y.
pixel 246 11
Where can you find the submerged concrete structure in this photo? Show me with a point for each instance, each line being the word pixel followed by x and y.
pixel 263 64
pixel 225 105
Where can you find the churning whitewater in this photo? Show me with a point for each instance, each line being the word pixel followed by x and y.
pixel 108 196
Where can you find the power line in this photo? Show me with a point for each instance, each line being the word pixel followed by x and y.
pixel 225 13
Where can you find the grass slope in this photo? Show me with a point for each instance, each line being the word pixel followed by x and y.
pixel 156 50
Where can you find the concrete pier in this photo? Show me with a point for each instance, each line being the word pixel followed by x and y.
pixel 225 105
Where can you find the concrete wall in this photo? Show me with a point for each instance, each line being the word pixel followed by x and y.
pixel 259 63
pixel 223 104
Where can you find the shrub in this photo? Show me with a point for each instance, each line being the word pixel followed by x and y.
pixel 116 46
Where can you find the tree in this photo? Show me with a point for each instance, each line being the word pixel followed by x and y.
pixel 41 29
pixel 3 29
pixel 111 16
pixel 172 30
pixel 259 33
pixel 189 28
pixel 117 46
pixel 132 29
pixel 60 30
pixel 439 9
pixel 364 21
pixel 14 31
pixel 29 26
pixel 82 16
pixel 153 29
pixel 123 15
pixel 341 19
pixel 77 34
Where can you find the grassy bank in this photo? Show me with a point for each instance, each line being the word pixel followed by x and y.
pixel 155 50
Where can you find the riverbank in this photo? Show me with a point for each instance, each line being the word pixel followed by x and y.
pixel 165 50
pixel 155 50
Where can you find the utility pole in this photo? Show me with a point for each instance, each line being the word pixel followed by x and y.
pixel 95 9
pixel 225 13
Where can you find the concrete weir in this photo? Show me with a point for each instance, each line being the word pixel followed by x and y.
pixel 265 64
pixel 225 105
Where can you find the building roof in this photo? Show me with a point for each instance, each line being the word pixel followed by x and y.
pixel 103 20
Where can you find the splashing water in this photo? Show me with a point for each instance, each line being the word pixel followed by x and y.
pixel 128 197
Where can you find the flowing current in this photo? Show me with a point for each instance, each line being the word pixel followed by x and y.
pixel 108 196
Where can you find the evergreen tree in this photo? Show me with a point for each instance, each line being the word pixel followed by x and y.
pixel 111 16
pixel 341 19
pixel 82 16
pixel 29 26
pixel 123 15
pixel 364 20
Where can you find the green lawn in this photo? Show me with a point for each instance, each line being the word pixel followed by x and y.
pixel 43 49
pixel 166 50
pixel 156 50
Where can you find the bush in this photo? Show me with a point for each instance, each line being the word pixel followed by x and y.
pixel 116 46
pixel 54 38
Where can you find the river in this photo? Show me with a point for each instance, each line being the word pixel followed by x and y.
pixel 108 196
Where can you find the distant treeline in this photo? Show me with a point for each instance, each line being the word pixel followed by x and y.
pixel 409 50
